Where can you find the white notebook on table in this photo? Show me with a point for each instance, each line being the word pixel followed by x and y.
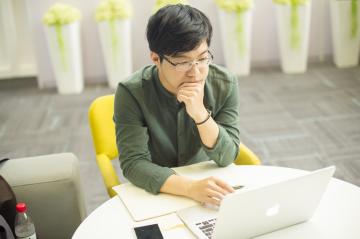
pixel 143 205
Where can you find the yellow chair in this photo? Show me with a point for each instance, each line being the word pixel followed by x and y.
pixel 246 156
pixel 103 132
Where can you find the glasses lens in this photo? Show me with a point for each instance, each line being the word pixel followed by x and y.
pixel 185 66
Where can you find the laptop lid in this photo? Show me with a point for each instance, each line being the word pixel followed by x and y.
pixel 251 212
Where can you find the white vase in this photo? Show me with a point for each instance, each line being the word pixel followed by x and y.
pixel 65 54
pixel 345 46
pixel 293 58
pixel 117 56
pixel 237 52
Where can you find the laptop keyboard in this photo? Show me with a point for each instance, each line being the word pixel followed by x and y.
pixel 207 227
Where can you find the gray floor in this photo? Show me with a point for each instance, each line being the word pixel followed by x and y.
pixel 304 121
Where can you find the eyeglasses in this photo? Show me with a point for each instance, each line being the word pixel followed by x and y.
pixel 187 65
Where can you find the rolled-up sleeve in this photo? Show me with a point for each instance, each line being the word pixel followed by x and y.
pixel 132 141
pixel 226 147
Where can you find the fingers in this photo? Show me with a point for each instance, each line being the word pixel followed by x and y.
pixel 215 194
pixel 191 87
pixel 224 185
pixel 186 93
pixel 213 197
pixel 186 96
pixel 191 91
pixel 209 190
pixel 212 201
pixel 216 191
pixel 192 84
pixel 183 98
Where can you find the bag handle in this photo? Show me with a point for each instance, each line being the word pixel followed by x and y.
pixel 3 160
pixel 8 232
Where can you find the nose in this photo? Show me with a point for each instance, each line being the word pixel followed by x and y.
pixel 193 71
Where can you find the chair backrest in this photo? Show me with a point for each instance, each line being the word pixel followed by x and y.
pixel 102 126
pixel 246 156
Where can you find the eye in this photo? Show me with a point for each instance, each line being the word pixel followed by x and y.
pixel 205 59
pixel 184 63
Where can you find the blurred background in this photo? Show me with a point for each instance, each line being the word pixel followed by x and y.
pixel 306 120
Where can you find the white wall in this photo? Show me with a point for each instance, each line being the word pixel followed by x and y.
pixel 264 39
pixel 16 52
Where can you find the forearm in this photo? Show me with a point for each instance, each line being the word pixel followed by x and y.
pixel 219 145
pixel 209 132
pixel 225 149
pixel 177 185
pixel 207 127
pixel 145 174
pixel 208 190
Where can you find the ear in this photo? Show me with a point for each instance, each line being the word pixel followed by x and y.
pixel 155 58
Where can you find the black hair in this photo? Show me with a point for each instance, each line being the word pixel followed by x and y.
pixel 176 29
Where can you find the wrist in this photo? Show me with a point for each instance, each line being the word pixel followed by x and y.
pixel 188 188
pixel 204 119
pixel 201 115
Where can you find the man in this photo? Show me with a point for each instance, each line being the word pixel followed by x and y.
pixel 179 111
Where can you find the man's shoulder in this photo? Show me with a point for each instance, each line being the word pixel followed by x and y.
pixel 219 74
pixel 138 78
pixel 220 78
pixel 220 84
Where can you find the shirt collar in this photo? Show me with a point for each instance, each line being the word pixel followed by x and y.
pixel 169 97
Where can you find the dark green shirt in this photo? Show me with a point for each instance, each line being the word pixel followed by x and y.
pixel 154 132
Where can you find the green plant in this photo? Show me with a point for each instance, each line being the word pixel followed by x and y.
pixel 294 19
pixel 58 15
pixel 110 11
pixel 162 3
pixel 238 7
pixel 354 18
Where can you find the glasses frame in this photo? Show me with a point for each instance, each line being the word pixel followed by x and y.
pixel 193 62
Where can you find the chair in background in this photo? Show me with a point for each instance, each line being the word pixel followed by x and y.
pixel 103 132
pixel 50 186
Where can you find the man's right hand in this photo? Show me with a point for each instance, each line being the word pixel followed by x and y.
pixel 209 190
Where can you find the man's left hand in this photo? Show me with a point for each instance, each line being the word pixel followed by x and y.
pixel 192 94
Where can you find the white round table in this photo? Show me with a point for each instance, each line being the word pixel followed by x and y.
pixel 338 214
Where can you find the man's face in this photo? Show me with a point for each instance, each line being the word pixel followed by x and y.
pixel 172 78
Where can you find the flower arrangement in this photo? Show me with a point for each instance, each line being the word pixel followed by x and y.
pixel 61 14
pixel 234 5
pixel 110 11
pixel 294 19
pixel 58 15
pixel 162 3
pixel 238 7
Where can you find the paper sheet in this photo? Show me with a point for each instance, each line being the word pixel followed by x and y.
pixel 144 205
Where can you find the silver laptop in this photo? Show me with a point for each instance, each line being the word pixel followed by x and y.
pixel 255 211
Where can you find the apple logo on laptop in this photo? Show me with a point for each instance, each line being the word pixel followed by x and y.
pixel 274 210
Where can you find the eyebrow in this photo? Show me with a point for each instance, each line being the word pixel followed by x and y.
pixel 183 56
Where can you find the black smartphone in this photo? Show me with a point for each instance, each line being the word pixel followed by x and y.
pixel 148 232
